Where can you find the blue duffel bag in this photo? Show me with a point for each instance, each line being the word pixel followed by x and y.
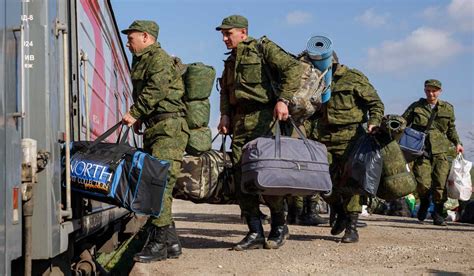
pixel 119 174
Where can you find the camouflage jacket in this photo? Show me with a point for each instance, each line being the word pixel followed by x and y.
pixel 442 130
pixel 157 84
pixel 353 101
pixel 244 81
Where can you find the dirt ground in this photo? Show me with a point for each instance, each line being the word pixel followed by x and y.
pixel 388 246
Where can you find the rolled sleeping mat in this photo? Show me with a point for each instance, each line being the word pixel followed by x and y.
pixel 319 50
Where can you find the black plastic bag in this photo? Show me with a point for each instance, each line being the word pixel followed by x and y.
pixel 364 164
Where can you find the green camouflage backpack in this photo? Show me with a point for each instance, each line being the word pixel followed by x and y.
pixel 308 99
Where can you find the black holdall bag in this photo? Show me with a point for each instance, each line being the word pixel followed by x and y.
pixel 412 141
pixel 364 164
pixel 207 177
pixel 119 174
pixel 283 165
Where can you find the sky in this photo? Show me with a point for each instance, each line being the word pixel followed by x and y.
pixel 398 44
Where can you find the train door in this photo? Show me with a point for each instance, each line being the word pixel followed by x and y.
pixel 10 134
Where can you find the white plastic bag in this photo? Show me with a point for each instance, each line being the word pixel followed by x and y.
pixel 459 185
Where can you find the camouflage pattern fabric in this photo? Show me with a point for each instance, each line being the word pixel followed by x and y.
pixel 393 126
pixel 158 88
pixel 199 81
pixel 167 140
pixel 397 180
pixel 443 129
pixel 157 84
pixel 198 113
pixel 431 175
pixel 308 97
pixel 199 141
pixel 244 81
pixel 247 97
pixel 206 179
pixel 339 126
pixel 431 171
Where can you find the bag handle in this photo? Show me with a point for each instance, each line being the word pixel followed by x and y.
pixel 121 139
pixel 298 131
pixel 222 147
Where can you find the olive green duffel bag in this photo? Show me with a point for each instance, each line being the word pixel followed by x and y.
pixel 397 179
pixel 199 141
pixel 198 80
pixel 198 113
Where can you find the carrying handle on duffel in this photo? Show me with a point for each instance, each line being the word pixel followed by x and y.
pixel 298 131
pixel 120 139
pixel 222 148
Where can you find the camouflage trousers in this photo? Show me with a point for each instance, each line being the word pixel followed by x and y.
pixel 344 193
pixel 166 140
pixel 299 201
pixel 431 175
pixel 247 127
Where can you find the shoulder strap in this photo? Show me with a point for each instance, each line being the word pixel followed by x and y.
pixel 432 117
pixel 265 65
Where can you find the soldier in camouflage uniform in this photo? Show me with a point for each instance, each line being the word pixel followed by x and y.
pixel 431 170
pixel 157 92
pixel 353 102
pixel 248 107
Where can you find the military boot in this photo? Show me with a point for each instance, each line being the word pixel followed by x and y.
pixel 295 214
pixel 311 216
pixel 438 217
pixel 351 235
pixel 173 245
pixel 278 233
pixel 255 238
pixel 155 248
pixel 423 210
pixel 341 220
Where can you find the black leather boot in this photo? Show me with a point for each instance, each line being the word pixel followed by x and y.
pixel 173 245
pixel 311 216
pixel 278 233
pixel 255 239
pixel 351 235
pixel 341 220
pixel 423 210
pixel 155 248
pixel 438 217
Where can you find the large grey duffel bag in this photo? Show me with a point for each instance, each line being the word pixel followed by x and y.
pixel 283 165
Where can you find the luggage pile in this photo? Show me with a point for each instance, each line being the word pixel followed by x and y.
pixel 198 81
pixel 206 178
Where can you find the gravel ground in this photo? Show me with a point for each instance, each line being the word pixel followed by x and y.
pixel 388 246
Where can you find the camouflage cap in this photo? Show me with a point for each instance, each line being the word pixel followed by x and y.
pixel 233 21
pixel 147 26
pixel 433 82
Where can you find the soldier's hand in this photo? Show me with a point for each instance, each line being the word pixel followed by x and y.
pixel 281 111
pixel 459 149
pixel 372 129
pixel 128 119
pixel 224 124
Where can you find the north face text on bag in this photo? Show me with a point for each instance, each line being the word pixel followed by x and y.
pixel 91 176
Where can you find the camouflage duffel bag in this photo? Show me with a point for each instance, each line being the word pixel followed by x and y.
pixel 397 179
pixel 198 80
pixel 199 141
pixel 198 113
pixel 206 178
